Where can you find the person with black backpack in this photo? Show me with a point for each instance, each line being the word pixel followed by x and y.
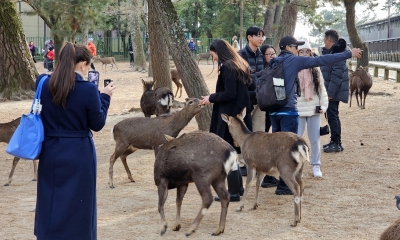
pixel 286 119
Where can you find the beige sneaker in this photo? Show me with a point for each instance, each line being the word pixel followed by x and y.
pixel 317 171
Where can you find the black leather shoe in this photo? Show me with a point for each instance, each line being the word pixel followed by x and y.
pixel 269 181
pixel 243 171
pixel 326 145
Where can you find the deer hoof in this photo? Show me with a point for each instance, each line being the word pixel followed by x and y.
pixel 255 206
pixel 176 228
pixel 295 223
pixel 239 209
pixel 7 184
pixel 190 233
pixel 112 186
pixel 34 180
pixel 217 233
pixel 163 230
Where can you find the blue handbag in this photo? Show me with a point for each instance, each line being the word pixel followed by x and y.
pixel 26 142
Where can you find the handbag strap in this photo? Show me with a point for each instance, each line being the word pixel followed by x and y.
pixel 36 106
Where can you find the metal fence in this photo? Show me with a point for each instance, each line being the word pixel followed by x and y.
pixel 118 47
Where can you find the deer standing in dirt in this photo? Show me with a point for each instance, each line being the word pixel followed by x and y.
pixel 209 161
pixel 155 102
pixel 263 153
pixel 201 56
pixel 6 132
pixel 136 133
pixel 360 82
pixel 175 78
pixel 105 61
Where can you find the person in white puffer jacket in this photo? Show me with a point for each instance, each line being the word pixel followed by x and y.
pixel 313 95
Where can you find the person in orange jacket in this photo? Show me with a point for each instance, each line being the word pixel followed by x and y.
pixel 92 49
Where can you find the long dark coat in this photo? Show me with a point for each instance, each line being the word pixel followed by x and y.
pixel 230 97
pixel 66 189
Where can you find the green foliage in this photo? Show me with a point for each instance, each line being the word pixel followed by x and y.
pixel 218 18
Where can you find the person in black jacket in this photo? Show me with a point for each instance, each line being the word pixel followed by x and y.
pixel 230 97
pixel 337 86
pixel 252 54
pixel 132 59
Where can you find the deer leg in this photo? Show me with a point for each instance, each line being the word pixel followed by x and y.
pixel 15 162
pixel 365 95
pixel 162 197
pixel 34 170
pixel 251 173
pixel 351 97
pixel 119 150
pixel 203 186
pixel 220 189
pixel 128 172
pixel 358 104
pixel 361 100
pixel 260 177
pixel 291 182
pixel 300 182
pixel 180 92
pixel 180 193
pixel 177 88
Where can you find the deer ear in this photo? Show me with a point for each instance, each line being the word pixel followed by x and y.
pixel 143 81
pixel 225 117
pixel 168 138
pixel 242 114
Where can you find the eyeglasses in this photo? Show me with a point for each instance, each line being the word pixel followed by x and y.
pixel 292 45
pixel 270 54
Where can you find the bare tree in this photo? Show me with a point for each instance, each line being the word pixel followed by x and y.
pixel 135 10
pixel 17 69
pixel 192 79
pixel 287 27
pixel 159 55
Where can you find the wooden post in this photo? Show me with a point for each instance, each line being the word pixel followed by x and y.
pixel 398 75
pixel 376 69
pixel 386 75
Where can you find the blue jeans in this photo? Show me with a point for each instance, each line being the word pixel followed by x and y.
pixel 284 123
pixel 332 114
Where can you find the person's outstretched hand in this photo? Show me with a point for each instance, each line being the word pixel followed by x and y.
pixel 205 100
pixel 356 52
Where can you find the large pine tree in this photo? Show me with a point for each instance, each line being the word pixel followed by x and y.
pixel 17 70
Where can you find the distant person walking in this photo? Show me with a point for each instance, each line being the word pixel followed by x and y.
pixel 92 49
pixel 49 43
pixel 235 43
pixel 32 49
pixel 131 57
pixel 192 46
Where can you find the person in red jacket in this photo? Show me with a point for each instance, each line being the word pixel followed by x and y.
pixel 92 49
pixel 50 58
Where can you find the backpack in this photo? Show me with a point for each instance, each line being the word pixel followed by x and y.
pixel 271 91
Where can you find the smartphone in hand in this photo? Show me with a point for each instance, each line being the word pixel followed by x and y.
pixel 107 81
pixel 94 77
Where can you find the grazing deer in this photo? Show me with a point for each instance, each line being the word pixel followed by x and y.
pixel 209 161
pixel 360 82
pixel 263 153
pixel 206 55
pixel 105 61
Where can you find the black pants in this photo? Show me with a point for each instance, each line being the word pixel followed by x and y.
pixel 334 122
pixel 132 60
pixel 267 122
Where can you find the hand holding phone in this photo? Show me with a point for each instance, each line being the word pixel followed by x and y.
pixel 94 77
pixel 107 81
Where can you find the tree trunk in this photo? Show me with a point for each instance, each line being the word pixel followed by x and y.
pixel 58 43
pixel 135 10
pixel 355 39
pixel 287 27
pixel 159 55
pixel 17 69
pixel 277 19
pixel 192 79
pixel 269 19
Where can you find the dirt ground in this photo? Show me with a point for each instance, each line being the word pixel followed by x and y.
pixel 353 200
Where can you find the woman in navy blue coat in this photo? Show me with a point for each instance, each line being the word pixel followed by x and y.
pixel 230 97
pixel 71 108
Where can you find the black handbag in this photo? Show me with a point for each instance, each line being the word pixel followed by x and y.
pixel 324 130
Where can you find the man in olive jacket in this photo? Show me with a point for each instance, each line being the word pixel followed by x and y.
pixel 337 86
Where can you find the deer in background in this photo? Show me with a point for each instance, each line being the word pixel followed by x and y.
pixel 210 160
pixel 155 102
pixel 136 133
pixel 6 132
pixel 105 61
pixel 360 82
pixel 175 78
pixel 263 153
pixel 206 55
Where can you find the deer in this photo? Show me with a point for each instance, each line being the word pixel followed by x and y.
pixel 360 82
pixel 155 102
pixel 175 78
pixel 264 153
pixel 6 132
pixel 206 55
pixel 210 160
pixel 105 61
pixel 392 232
pixel 136 133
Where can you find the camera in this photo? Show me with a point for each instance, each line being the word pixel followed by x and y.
pixel 94 77
pixel 317 109
pixel 107 81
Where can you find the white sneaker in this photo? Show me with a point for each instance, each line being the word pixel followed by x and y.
pixel 317 171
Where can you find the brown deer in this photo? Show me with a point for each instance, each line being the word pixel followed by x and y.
pixel 136 133
pixel 105 61
pixel 392 232
pixel 263 153
pixel 201 56
pixel 175 78
pixel 6 132
pixel 209 161
pixel 155 102
pixel 360 82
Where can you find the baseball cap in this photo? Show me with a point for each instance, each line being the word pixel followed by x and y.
pixel 306 45
pixel 289 40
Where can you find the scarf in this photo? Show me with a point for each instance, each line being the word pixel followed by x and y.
pixel 306 83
